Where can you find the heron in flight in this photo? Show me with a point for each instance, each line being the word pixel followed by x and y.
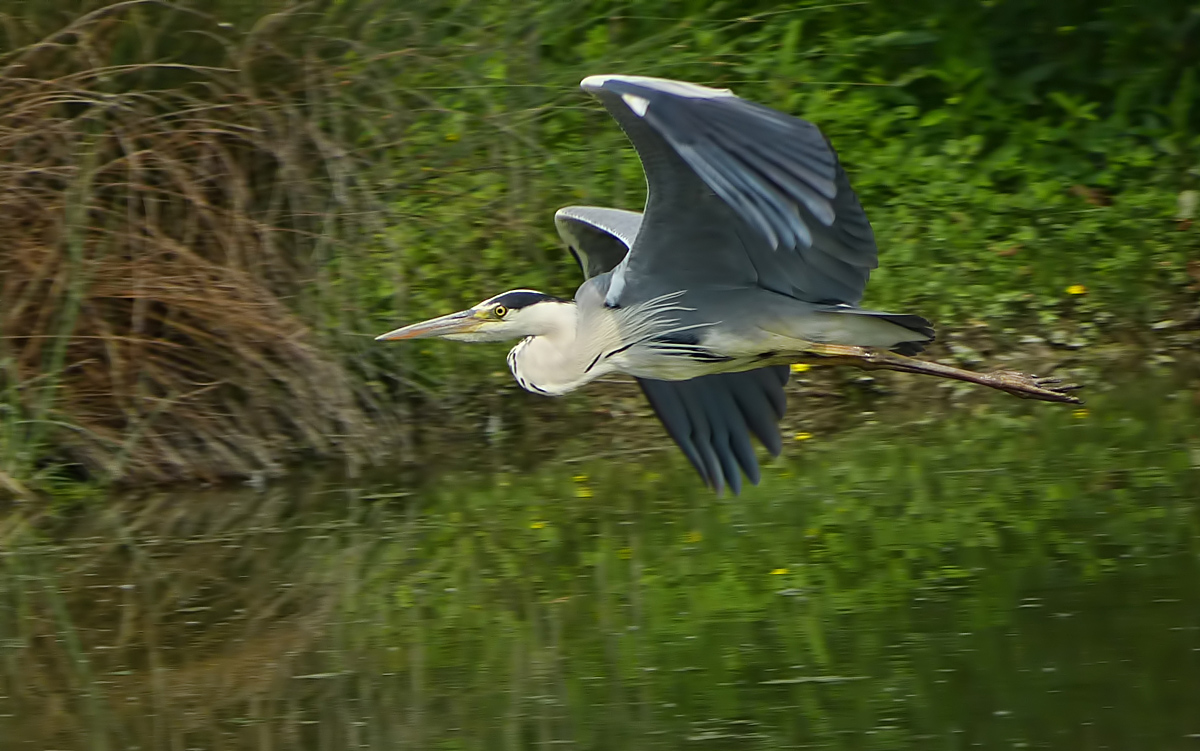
pixel 751 254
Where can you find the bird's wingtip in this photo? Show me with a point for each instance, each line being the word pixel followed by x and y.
pixel 594 83
pixel 663 85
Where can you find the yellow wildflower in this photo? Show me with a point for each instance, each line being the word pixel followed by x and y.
pixel 803 436
pixel 452 137
pixel 624 554
pixel 693 537
pixel 580 478
pixel 583 491
pixel 1080 413
pixel 538 525
pixel 779 572
pixel 1077 289
pixel 801 367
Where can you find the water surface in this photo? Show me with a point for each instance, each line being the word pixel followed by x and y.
pixel 1008 575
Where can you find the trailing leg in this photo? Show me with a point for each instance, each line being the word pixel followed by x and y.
pixel 1020 384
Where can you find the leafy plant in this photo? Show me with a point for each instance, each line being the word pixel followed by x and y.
pixel 274 183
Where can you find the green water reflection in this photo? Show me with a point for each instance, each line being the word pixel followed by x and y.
pixel 1028 577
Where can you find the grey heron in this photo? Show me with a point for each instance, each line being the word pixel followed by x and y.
pixel 751 254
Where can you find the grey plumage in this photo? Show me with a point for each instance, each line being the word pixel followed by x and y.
pixel 709 163
pixel 752 252
pixel 710 417
pixel 598 238
pixel 744 204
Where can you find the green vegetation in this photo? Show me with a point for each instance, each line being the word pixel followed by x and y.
pixel 1026 576
pixel 207 208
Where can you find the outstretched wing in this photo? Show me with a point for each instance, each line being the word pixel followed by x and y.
pixel 711 417
pixel 737 192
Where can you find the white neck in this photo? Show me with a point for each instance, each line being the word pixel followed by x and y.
pixel 556 360
pixel 571 345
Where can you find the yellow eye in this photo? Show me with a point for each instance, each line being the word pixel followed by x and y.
pixel 500 311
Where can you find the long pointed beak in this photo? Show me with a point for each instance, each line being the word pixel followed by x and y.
pixel 462 322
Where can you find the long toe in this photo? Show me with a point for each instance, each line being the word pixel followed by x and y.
pixel 1029 386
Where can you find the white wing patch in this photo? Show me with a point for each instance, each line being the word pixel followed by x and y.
pixel 665 85
pixel 636 103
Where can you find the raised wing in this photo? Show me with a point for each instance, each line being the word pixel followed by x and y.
pixel 597 237
pixel 741 190
pixel 711 417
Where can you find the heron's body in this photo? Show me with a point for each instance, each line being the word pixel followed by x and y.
pixel 752 252
pixel 672 339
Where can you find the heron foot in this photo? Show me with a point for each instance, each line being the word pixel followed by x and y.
pixel 1028 386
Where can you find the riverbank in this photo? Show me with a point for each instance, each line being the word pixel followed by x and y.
pixel 203 239
pixel 610 421
pixel 505 426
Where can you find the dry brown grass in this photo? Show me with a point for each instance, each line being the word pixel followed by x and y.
pixel 161 226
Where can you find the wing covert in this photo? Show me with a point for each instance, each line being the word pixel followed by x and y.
pixel 597 237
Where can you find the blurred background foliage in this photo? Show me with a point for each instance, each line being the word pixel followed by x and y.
pixel 1027 167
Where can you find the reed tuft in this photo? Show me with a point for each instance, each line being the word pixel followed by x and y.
pixel 164 214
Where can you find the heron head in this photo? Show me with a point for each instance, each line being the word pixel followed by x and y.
pixel 509 315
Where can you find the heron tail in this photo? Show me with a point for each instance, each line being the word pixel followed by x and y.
pixel 923 332
pixel 917 325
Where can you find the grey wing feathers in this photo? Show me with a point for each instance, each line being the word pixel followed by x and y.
pixel 598 237
pixel 712 417
pixel 777 172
